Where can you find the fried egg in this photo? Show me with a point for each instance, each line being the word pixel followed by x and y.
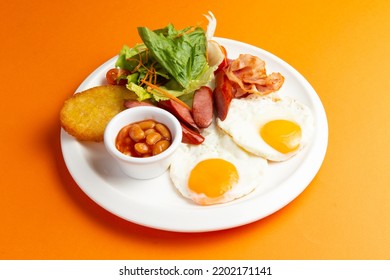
pixel 217 171
pixel 269 126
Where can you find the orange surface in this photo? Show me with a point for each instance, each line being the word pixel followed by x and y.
pixel 341 47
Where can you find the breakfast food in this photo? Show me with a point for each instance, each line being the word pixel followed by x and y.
pixel 190 136
pixel 86 114
pixel 143 139
pixel 232 117
pixel 217 171
pixel 248 75
pixel 223 93
pixel 203 107
pixel 182 113
pixel 269 126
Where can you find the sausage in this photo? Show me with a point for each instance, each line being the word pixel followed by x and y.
pixel 202 107
pixel 134 103
pixel 191 137
pixel 223 94
pixel 225 61
pixel 180 112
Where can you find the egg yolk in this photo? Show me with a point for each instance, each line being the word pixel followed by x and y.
pixel 213 177
pixel 282 135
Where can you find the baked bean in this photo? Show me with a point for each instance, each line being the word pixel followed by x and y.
pixel 124 132
pixel 163 130
pixel 136 133
pixel 150 130
pixel 153 138
pixel 141 148
pixel 145 125
pixel 160 147
pixel 127 151
pixel 143 139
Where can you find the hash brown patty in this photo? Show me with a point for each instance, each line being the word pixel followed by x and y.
pixel 86 114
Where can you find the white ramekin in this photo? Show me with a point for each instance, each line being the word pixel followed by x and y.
pixel 143 168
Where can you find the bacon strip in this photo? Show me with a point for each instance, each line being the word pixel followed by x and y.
pixel 249 75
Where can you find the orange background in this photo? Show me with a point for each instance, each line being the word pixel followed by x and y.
pixel 341 47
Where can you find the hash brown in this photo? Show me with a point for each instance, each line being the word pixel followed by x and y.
pixel 86 114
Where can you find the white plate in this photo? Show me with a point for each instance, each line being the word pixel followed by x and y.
pixel 156 204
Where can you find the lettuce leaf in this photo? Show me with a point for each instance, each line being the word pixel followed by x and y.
pixel 139 91
pixel 137 60
pixel 126 54
pixel 182 53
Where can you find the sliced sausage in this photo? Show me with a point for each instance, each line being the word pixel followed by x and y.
pixel 202 107
pixel 191 137
pixel 222 94
pixel 180 112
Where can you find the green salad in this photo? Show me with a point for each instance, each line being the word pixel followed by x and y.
pixel 169 63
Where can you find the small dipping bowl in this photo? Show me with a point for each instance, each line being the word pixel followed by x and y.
pixel 149 167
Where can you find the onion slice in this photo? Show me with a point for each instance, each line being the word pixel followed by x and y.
pixel 212 26
pixel 215 54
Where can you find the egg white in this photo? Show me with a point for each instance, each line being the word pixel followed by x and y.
pixel 247 115
pixel 251 169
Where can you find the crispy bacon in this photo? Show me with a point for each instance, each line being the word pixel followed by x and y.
pixel 249 75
